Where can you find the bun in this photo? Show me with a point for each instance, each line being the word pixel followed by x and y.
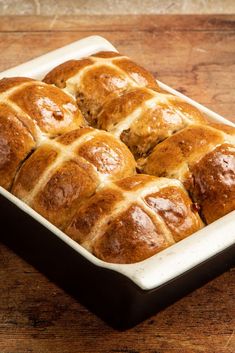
pixel 142 118
pixel 92 79
pixel 16 143
pixel 202 157
pixel 63 172
pixel 134 218
pixel 30 111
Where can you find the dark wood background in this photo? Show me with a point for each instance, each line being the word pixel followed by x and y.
pixel 194 54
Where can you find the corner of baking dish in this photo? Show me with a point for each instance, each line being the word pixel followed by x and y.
pixel 169 263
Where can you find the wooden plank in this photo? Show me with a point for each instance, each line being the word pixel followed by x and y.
pixel 118 23
pixel 195 54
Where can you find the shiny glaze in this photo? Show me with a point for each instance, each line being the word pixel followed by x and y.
pixel 142 77
pixel 30 112
pixel 72 136
pixel 92 79
pixel 10 82
pixel 153 121
pixel 33 169
pixel 91 212
pixel 136 183
pixel 131 237
pixel 60 74
pixel 177 210
pixel 214 182
pixel 52 110
pixel 16 143
pixel 134 218
pixel 200 157
pixel 108 155
pixel 106 54
pixel 174 156
pixel 63 173
pixel 71 183
pixel 95 85
pixel 119 106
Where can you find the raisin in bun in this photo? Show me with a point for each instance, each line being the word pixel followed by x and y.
pixel 63 172
pixel 203 158
pixel 30 111
pixel 134 218
pixel 92 79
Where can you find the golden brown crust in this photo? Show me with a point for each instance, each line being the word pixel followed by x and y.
pixel 136 183
pixel 106 54
pixel 134 218
pixel 63 173
pixel 214 182
pixel 52 110
pixel 91 212
pixel 72 136
pixel 202 158
pixel 92 79
pixel 33 169
pixel 60 74
pixel 59 186
pixel 119 106
pixel 130 238
pixel 177 211
pixel 31 111
pixel 108 155
pixel 16 143
pixel 142 118
pixel 10 82
pixel 174 156
pixel 95 86
pixel 72 182
pixel 138 74
pixel 228 129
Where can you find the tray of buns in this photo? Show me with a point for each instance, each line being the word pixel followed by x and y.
pixel 115 185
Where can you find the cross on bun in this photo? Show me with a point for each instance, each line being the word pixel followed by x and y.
pixel 67 170
pixel 202 157
pixel 142 118
pixel 30 111
pixel 134 218
pixel 91 80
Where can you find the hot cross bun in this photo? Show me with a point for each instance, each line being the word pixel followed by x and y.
pixel 91 80
pixel 134 218
pixel 142 117
pixel 203 158
pixel 30 111
pixel 67 170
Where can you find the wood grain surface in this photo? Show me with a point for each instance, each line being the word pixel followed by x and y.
pixel 194 54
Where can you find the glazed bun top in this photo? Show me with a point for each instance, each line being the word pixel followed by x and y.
pixel 142 117
pixel 134 218
pixel 91 80
pixel 175 156
pixel 30 112
pixel 47 111
pixel 63 172
pixel 16 142
pixel 203 158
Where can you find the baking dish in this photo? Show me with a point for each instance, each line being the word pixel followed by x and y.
pixel 121 294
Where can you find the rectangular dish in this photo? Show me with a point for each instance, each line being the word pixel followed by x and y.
pixel 123 295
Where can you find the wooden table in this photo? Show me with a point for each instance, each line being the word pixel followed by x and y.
pixel 194 54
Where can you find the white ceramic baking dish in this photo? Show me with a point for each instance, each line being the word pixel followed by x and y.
pixel 152 281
